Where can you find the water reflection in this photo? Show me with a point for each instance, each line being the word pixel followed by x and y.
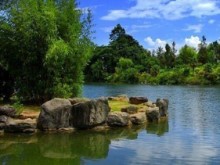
pixel 191 136
pixel 68 148
pixel 158 128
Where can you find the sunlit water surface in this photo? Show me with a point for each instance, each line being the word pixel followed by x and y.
pixel 190 136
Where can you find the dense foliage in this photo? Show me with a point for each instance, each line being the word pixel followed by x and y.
pixel 44 45
pixel 123 60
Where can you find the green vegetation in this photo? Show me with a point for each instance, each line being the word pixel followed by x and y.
pixel 117 105
pixel 44 47
pixel 124 60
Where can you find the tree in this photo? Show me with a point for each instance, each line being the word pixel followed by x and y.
pixel 117 32
pixel 167 57
pixel 203 53
pixel 170 55
pixel 214 51
pixel 45 44
pixel 160 56
pixel 121 46
pixel 124 45
pixel 187 55
pixel 125 71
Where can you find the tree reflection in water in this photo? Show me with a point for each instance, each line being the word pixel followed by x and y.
pixel 68 148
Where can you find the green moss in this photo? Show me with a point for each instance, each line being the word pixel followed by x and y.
pixel 118 105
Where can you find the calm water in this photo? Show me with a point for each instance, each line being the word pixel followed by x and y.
pixel 190 136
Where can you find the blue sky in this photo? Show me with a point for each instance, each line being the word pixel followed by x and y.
pixel 156 22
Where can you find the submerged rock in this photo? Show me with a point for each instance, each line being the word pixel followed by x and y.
pixel 55 114
pixel 138 100
pixel 119 119
pixel 89 114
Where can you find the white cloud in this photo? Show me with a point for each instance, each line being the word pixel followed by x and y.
pixel 155 44
pixel 211 21
pixel 144 26
pixel 193 41
pixel 170 10
pixel 115 14
pixel 195 28
pixel 136 28
pixel 107 29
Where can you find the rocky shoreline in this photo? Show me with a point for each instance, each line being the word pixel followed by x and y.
pixel 79 113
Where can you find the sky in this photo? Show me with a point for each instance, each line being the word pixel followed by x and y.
pixel 154 23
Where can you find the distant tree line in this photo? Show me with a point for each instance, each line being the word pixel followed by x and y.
pixel 124 60
pixel 44 47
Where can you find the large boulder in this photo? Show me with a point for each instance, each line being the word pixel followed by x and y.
pixel 90 113
pixel 138 118
pixel 118 119
pixel 130 109
pixel 55 114
pixel 8 111
pixel 138 100
pixel 163 107
pixel 153 114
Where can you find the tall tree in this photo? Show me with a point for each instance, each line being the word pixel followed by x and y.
pixel 117 32
pixel 169 56
pixel 214 51
pixel 203 53
pixel 160 55
pixel 121 46
pixel 187 55
pixel 46 44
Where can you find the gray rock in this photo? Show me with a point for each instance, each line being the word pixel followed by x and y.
pixel 149 104
pixel 138 100
pixel 55 114
pixel 153 114
pixel 118 119
pixel 78 100
pixel 8 111
pixel 130 109
pixel 163 107
pixel 89 114
pixel 138 118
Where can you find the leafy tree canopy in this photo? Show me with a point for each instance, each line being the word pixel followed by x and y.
pixel 45 45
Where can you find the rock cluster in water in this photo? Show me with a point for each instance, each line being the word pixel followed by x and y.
pixel 77 113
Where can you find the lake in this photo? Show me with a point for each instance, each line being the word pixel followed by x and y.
pixel 190 136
